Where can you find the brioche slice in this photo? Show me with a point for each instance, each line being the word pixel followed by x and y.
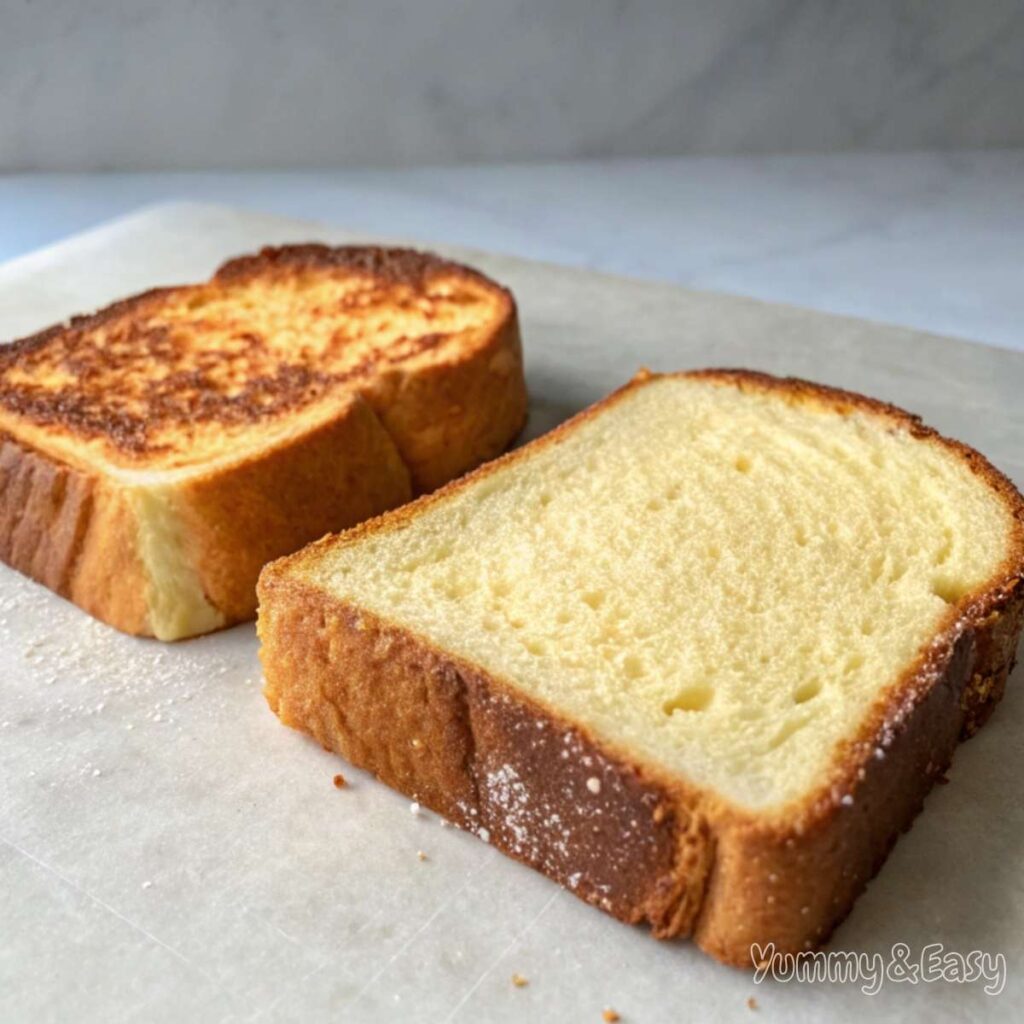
pixel 155 455
pixel 697 655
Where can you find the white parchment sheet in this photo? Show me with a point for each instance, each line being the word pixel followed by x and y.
pixel 169 852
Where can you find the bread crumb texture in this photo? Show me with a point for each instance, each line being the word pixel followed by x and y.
pixel 723 579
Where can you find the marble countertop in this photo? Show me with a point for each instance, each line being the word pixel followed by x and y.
pixel 933 241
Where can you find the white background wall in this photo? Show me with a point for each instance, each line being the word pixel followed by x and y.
pixel 98 84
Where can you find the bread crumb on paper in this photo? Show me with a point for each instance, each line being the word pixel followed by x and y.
pixel 339 782
pixel 610 1016
pixel 519 981
pixel 751 1003
pixel 421 855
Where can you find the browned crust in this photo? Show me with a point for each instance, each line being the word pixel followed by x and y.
pixel 402 431
pixel 388 263
pixel 444 418
pixel 696 864
pixel 447 734
pixel 397 265
pixel 69 531
pixel 76 533
pixel 84 321
pixel 334 476
pixel 448 417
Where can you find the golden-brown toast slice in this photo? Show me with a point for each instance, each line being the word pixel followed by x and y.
pixel 697 654
pixel 156 454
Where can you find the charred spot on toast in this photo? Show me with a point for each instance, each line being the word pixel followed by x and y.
pixel 269 333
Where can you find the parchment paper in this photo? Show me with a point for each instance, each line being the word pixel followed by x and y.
pixel 169 852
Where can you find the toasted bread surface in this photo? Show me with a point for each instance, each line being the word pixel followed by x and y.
pixel 182 377
pixel 641 832
pixel 298 391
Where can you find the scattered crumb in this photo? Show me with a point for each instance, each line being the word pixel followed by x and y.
pixel 594 784
pixel 414 807
pixel 610 1016
pixel 751 1003
pixel 339 781
pixel 519 981
pixel 421 855
pixel 147 885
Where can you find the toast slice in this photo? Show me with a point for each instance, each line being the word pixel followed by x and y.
pixel 155 455
pixel 697 655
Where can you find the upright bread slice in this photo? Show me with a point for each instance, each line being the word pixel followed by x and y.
pixel 697 655
pixel 155 455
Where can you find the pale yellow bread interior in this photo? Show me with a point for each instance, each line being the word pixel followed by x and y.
pixel 720 580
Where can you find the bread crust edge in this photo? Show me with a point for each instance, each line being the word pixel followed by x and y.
pixel 70 531
pixel 235 520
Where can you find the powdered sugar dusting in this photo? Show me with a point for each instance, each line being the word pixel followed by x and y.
pixel 82 683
